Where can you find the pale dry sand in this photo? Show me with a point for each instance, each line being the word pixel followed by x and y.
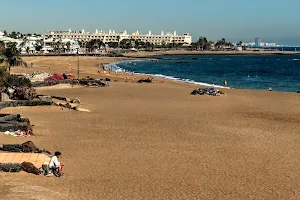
pixel 88 66
pixel 156 141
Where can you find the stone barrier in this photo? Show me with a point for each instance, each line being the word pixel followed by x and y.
pixel 84 82
pixel 17 103
pixel 10 167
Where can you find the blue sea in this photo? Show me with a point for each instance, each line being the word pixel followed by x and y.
pixel 280 72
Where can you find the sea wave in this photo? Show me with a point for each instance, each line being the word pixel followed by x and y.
pixel 116 68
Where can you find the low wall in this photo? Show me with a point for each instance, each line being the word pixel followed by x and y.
pixel 72 82
pixel 17 103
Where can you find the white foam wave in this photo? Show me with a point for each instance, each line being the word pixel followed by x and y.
pixel 172 78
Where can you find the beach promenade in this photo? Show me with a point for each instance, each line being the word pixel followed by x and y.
pixel 156 141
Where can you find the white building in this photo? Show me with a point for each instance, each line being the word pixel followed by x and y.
pixel 28 43
pixel 112 36
pixel 49 44
pixel 25 44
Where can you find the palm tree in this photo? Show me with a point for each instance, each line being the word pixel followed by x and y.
pixel 53 44
pixel 91 45
pixel 22 45
pixel 2 46
pixel 99 43
pixel 58 45
pixel 25 40
pixel 68 44
pixel 202 43
pixel 13 35
pixel 221 43
pixel 11 53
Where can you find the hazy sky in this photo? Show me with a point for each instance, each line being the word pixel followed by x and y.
pixel 271 20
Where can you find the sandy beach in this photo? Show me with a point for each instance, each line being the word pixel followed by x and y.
pixel 156 141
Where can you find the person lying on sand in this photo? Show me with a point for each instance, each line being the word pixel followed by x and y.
pixel 55 164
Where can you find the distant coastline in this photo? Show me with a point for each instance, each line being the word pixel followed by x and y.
pixel 141 54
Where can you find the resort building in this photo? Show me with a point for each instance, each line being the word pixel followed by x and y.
pixel 49 44
pixel 112 36
pixel 257 42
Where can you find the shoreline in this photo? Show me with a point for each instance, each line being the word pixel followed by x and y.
pixel 160 78
pixel 92 64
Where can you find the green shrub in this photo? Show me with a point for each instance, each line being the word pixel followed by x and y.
pixel 7 80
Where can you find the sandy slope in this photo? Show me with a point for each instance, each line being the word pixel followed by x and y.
pixel 155 141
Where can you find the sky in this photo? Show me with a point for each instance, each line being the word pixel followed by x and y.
pixel 271 20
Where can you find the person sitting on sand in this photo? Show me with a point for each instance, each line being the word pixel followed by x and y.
pixel 55 164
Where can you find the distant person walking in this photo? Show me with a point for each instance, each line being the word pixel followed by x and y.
pixel 225 83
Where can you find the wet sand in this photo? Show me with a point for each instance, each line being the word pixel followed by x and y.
pixel 155 141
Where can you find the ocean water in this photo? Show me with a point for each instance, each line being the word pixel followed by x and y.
pixel 280 72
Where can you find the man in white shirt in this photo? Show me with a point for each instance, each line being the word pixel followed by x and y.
pixel 55 164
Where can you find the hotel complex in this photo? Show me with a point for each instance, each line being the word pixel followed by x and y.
pixel 112 36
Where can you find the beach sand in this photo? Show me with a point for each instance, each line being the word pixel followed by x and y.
pixel 156 141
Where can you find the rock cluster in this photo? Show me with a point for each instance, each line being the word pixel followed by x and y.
pixel 17 167
pixel 84 82
pixel 11 122
pixel 148 80
pixel 207 91
pixel 30 168
pixel 24 93
pixel 26 147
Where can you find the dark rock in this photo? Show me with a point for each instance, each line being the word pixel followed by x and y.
pixel 207 91
pixel 9 122
pixel 24 93
pixel 29 147
pixel 30 168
